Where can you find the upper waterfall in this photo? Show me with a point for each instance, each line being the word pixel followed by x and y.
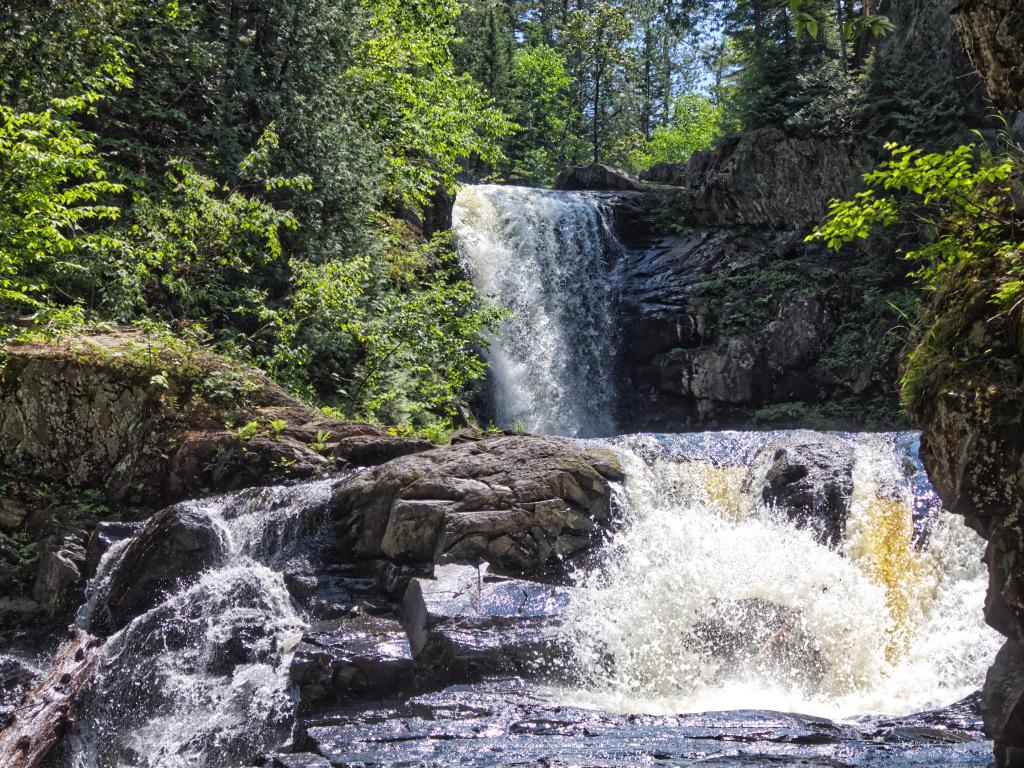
pixel 549 257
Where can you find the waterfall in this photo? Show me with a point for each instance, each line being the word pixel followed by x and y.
pixel 549 258
pixel 201 680
pixel 709 600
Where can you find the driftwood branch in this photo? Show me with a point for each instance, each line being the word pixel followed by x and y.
pixel 49 709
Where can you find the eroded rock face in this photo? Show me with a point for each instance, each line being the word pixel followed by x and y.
pixel 527 504
pixel 808 478
pixel 597 177
pixel 992 31
pixel 730 328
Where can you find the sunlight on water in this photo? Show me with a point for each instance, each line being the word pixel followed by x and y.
pixel 708 600
pixel 201 680
pixel 546 257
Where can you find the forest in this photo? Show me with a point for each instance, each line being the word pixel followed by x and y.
pixel 260 176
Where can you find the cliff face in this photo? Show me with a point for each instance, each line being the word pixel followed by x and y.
pixel 972 416
pixel 733 319
pixel 970 405
pixel 993 34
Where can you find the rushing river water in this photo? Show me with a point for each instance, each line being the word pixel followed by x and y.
pixel 707 600
pixel 714 630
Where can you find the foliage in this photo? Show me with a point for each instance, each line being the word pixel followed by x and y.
pixel 695 124
pixel 970 254
pixel 425 115
pixel 244 187
pixel 52 186
pixel 538 99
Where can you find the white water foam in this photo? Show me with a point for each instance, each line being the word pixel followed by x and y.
pixel 201 680
pixel 889 625
pixel 547 256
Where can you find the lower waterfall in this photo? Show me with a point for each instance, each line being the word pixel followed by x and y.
pixel 548 257
pixel 201 680
pixel 709 600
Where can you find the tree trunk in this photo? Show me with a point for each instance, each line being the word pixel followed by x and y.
pixel 841 22
pixel 49 709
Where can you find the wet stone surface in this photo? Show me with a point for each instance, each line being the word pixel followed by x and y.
pixel 506 722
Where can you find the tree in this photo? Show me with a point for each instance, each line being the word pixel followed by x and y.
pixel 598 53
pixel 52 191
pixel 694 125
pixel 538 101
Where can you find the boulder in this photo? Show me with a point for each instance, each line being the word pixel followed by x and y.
pixel 1002 698
pixel 527 504
pixel 596 177
pixel 666 173
pixel 349 658
pixel 992 32
pixel 174 546
pixel 466 623
pixel 808 477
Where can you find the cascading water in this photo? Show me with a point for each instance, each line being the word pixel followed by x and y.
pixel 549 258
pixel 709 600
pixel 201 680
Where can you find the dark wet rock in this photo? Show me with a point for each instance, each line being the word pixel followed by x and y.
pixel 1003 696
pixel 59 571
pixel 765 178
pixel 597 177
pixel 466 623
pixel 509 723
pixel 300 760
pixel 526 504
pixel 333 591
pixel 174 546
pixel 993 35
pixel 351 658
pixel 16 678
pixel 107 534
pixel 809 478
pixel 760 638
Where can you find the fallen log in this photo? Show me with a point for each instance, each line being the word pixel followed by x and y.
pixel 49 708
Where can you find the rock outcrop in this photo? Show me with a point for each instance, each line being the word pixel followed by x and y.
pixel 596 177
pixel 993 34
pixel 118 424
pixel 525 504
pixel 770 180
